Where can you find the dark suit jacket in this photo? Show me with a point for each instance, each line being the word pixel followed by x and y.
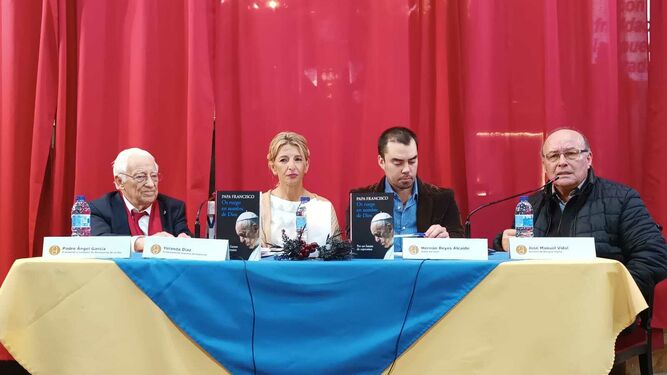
pixel 435 205
pixel 108 216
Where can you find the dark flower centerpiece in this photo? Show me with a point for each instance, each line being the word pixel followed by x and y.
pixel 335 248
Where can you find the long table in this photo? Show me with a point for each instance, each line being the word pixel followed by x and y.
pixel 105 317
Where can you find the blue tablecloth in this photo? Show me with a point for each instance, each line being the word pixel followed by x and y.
pixel 306 317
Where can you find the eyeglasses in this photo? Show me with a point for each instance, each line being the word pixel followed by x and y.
pixel 570 154
pixel 142 178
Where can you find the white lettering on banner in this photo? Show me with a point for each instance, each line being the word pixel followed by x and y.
pixel 633 32
pixel 378 198
pixel 237 196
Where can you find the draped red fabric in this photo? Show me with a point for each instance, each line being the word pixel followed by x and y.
pixel 655 152
pixel 19 51
pixel 112 75
pixel 143 80
pixel 125 81
pixel 482 83
pixel 334 71
pixel 531 67
pixel 503 106
pixel 436 93
pixel 50 67
pixel 53 142
pixel 18 76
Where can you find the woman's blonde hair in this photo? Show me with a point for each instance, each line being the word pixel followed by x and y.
pixel 287 138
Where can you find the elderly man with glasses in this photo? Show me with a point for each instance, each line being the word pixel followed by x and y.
pixel 136 208
pixel 580 204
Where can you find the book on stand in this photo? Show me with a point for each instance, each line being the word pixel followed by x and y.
pixel 237 220
pixel 372 225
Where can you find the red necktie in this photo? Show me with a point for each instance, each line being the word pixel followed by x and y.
pixel 136 216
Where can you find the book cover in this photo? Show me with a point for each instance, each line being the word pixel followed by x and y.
pixel 237 220
pixel 372 225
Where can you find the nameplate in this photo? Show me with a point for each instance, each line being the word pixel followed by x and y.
pixel 552 248
pixel 185 248
pixel 100 247
pixel 445 248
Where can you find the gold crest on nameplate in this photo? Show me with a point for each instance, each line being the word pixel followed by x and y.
pixel 54 250
pixel 414 249
pixel 521 250
pixel 155 249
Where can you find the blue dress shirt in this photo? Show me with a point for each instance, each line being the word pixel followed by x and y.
pixel 405 217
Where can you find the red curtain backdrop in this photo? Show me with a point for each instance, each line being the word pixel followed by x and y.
pixel 334 71
pixel 19 50
pixel 93 78
pixel 19 20
pixel 436 93
pixel 142 79
pixel 533 66
pixel 655 152
pixel 481 81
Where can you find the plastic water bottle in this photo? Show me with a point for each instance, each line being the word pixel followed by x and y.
pixel 523 218
pixel 301 227
pixel 80 217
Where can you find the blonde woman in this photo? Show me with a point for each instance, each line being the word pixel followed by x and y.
pixel 289 159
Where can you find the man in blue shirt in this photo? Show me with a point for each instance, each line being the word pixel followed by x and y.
pixel 419 207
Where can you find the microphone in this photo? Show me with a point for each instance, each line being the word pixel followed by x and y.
pixel 466 226
pixel 197 233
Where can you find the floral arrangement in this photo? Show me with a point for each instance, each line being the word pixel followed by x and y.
pixel 335 248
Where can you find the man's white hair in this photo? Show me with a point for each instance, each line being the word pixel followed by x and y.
pixel 382 216
pixel 120 164
pixel 248 217
pixel 383 219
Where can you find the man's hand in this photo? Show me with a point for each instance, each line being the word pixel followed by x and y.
pixel 436 231
pixel 163 234
pixel 507 233
pixel 139 244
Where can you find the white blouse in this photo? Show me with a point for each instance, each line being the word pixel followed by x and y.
pixel 283 216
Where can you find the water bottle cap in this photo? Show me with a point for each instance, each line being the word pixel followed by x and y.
pixel 80 197
pixel 523 198
pixel 304 199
